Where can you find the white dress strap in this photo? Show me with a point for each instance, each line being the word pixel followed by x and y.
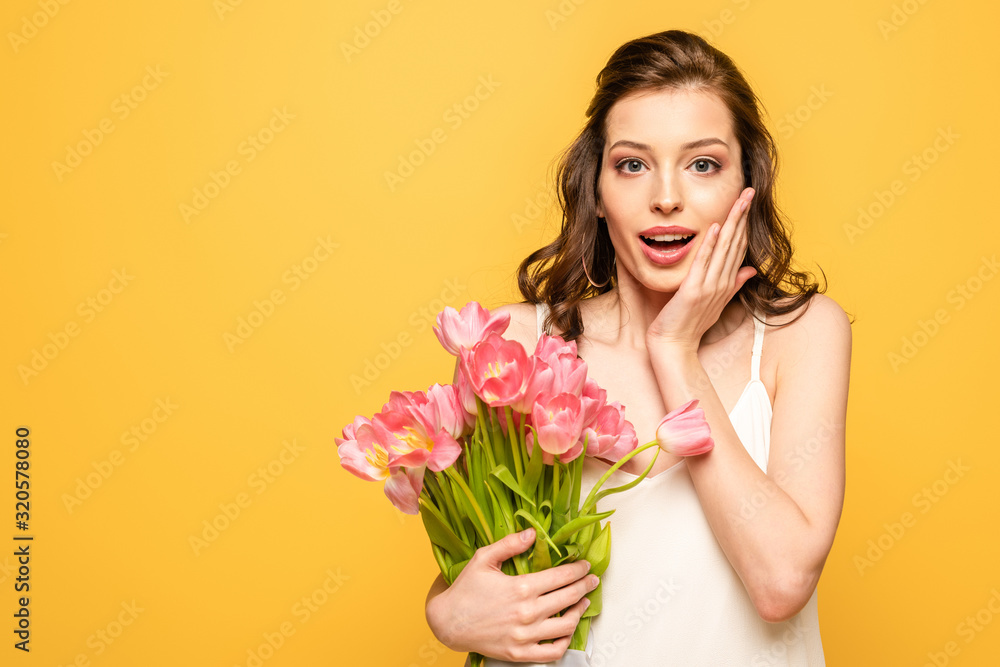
pixel 541 310
pixel 758 345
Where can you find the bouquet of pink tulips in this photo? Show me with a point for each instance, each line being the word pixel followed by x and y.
pixel 502 449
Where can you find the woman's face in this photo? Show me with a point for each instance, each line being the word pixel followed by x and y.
pixel 670 160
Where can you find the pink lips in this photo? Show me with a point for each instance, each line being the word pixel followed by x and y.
pixel 669 257
pixel 672 229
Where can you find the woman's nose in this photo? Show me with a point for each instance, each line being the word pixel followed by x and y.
pixel 667 194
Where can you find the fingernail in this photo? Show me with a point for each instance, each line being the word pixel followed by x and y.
pixel 586 602
pixel 744 204
pixel 527 535
pixel 594 581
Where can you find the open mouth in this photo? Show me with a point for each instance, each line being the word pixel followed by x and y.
pixel 667 242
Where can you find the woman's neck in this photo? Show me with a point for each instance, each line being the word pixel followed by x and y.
pixel 621 317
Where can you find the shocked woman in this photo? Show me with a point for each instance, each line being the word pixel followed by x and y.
pixel 672 272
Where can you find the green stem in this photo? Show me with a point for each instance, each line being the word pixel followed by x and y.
pixel 450 509
pixel 610 471
pixel 574 498
pixel 484 421
pixel 487 533
pixel 555 483
pixel 515 444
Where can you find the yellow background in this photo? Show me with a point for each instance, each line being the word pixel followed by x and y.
pixel 895 75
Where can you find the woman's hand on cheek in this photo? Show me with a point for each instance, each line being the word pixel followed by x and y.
pixel 715 277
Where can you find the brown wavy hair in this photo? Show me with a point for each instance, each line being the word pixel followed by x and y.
pixel 671 60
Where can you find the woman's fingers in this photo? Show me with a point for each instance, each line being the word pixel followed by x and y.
pixel 560 629
pixel 702 260
pixel 554 578
pixel 493 555
pixel 738 247
pixel 727 237
pixel 560 626
pixel 557 600
pixel 544 652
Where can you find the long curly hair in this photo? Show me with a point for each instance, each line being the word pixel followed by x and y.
pixel 671 60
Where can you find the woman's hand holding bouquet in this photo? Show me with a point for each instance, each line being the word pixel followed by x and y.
pixel 502 449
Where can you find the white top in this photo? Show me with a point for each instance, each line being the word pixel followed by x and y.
pixel 670 595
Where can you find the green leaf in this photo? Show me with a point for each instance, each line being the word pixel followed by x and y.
pixel 440 533
pixel 572 553
pixel 539 529
pixel 563 534
pixel 541 559
pixel 596 601
pixel 449 511
pixel 473 504
pixel 584 536
pixel 503 474
pixel 599 553
pixel 533 471
pixel 546 509
pixel 580 635
pixel 443 560
pixel 504 521
pixel 497 513
pixel 456 570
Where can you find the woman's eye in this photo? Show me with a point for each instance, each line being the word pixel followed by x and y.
pixel 706 163
pixel 627 165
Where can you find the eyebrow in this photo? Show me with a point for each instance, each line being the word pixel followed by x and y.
pixel 699 143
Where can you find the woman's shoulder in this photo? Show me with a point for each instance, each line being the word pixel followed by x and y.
pixel 523 323
pixel 818 307
pixel 818 324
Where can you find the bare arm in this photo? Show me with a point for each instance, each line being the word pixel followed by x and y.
pixel 780 550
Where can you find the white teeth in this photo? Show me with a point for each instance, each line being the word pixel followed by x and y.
pixel 669 237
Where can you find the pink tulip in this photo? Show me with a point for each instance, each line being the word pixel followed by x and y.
pixel 444 410
pixel 498 370
pixel 400 401
pixel 570 375
pixel 684 431
pixel 465 393
pixel 611 436
pixel 553 346
pixel 462 330
pixel 350 431
pixel 558 422
pixel 549 459
pixel 395 427
pixel 556 370
pixel 593 398
pixel 403 489
pixel 570 371
pixel 412 442
pixel 538 386
pixel 366 456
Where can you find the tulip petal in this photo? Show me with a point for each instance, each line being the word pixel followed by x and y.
pixel 684 431
pixel 403 489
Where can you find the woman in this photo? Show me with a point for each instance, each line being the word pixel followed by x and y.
pixel 667 198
